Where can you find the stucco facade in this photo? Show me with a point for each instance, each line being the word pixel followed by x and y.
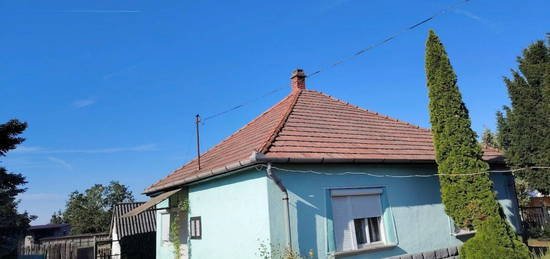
pixel 243 212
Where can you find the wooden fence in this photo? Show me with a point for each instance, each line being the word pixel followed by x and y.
pixel 69 247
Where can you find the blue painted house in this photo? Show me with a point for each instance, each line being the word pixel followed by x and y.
pixel 326 178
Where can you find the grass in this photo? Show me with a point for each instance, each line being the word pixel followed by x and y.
pixel 539 248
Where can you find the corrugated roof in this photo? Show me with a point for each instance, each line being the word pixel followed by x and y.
pixel 310 125
pixel 48 226
pixel 127 226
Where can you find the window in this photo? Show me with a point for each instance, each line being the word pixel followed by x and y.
pixel 357 218
pixel 195 228
pixel 456 231
pixel 165 226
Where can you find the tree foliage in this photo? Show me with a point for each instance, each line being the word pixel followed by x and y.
pixel 525 126
pixel 13 225
pixel 468 198
pixel 489 139
pixel 57 218
pixel 90 212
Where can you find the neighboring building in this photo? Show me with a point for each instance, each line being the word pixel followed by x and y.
pixel 132 237
pixel 38 232
pixel 326 177
pixel 537 212
pixel 83 246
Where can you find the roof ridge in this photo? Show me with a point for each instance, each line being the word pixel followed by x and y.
pixel 234 133
pixel 269 142
pixel 369 111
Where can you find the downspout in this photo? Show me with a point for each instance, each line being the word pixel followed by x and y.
pixel 279 184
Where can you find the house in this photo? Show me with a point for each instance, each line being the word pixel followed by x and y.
pixel 37 232
pixel 82 246
pixel 326 178
pixel 132 237
pixel 537 213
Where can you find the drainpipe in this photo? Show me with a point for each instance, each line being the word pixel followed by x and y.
pixel 279 184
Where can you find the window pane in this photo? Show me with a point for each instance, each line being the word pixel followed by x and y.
pixel 374 229
pixel 360 231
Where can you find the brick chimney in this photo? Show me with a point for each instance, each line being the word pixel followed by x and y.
pixel 298 80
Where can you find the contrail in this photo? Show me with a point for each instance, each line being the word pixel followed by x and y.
pixel 100 11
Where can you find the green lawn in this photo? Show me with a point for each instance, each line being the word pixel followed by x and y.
pixel 539 247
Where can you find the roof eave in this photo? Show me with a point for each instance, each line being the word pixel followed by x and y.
pixel 259 158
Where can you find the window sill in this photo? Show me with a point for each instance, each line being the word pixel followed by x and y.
pixel 364 250
pixel 464 233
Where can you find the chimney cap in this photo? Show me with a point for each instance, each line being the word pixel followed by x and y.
pixel 298 73
pixel 298 80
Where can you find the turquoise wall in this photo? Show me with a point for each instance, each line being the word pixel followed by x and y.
pixel 164 250
pixel 412 204
pixel 235 216
pixel 243 211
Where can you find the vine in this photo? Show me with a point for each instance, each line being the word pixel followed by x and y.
pixel 175 226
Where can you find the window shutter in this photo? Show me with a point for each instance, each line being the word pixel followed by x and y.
pixel 365 206
pixel 342 221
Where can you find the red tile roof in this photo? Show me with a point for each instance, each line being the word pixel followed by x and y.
pixel 309 125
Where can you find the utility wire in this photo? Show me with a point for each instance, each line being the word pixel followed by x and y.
pixel 371 47
pixel 402 176
pixel 390 38
pixel 243 104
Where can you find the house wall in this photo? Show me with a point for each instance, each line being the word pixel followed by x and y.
pixel 412 207
pixel 163 250
pixel 115 245
pixel 234 213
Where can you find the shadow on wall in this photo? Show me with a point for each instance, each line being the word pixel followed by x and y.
pixel 307 229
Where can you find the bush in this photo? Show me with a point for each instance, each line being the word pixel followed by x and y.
pixel 494 239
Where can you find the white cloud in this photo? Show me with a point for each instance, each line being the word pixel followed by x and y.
pixel 40 150
pixel 83 103
pixel 26 149
pixel 60 162
pixel 100 11
pixel 469 15
pixel 39 196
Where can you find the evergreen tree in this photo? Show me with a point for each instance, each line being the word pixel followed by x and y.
pixel 466 189
pixel 489 139
pixel 57 218
pixel 526 126
pixel 503 129
pixel 13 225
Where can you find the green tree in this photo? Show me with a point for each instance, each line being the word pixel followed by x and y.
pixel 57 218
pixel 466 189
pixel 489 139
pixel 526 125
pixel 13 225
pixel 90 212
pixel 503 129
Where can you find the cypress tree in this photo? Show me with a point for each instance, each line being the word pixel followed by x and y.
pixel 528 120
pixel 468 199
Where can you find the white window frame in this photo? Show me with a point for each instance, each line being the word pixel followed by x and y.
pixel 349 193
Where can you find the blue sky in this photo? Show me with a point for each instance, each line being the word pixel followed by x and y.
pixel 110 88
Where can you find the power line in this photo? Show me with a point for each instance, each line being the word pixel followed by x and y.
pixel 378 44
pixel 402 176
pixel 243 104
pixel 390 38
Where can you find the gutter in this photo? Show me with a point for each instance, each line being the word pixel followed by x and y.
pixel 259 158
pixel 279 184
